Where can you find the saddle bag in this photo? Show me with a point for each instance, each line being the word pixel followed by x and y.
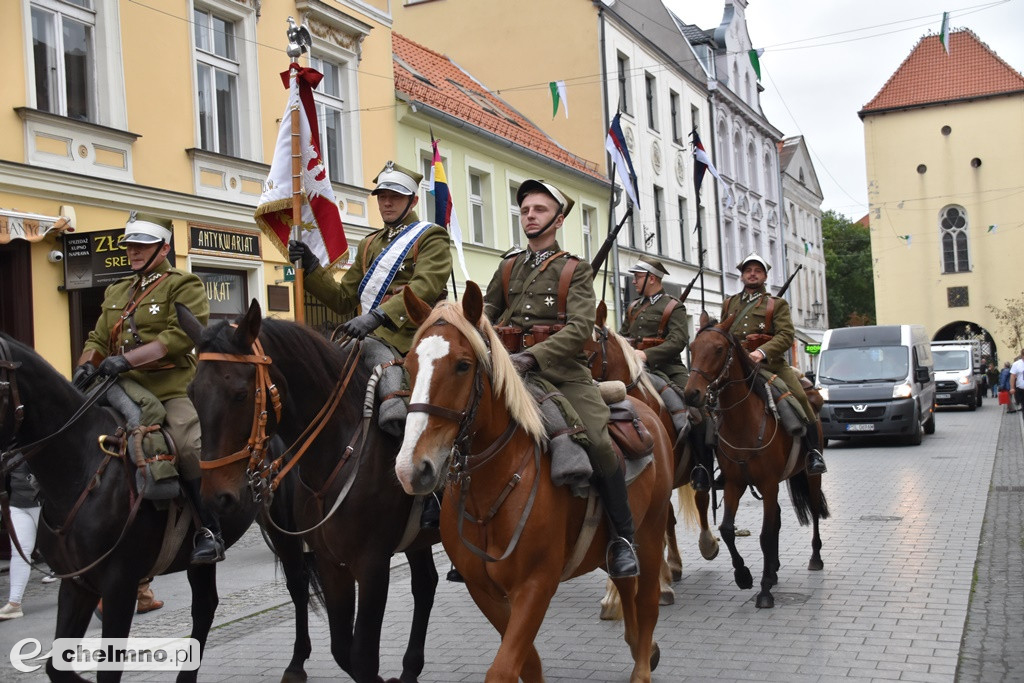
pixel 511 337
pixel 628 432
pixel 645 343
pixel 754 341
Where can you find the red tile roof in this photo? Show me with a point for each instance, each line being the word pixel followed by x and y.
pixel 930 76
pixel 455 92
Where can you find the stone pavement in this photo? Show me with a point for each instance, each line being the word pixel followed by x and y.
pixel 891 604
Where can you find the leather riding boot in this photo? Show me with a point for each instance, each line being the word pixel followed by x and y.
pixel 815 461
pixel 620 555
pixel 209 546
pixel 700 475
pixel 430 517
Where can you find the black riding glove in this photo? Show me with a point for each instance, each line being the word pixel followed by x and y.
pixel 112 366
pixel 300 251
pixel 523 362
pixel 364 324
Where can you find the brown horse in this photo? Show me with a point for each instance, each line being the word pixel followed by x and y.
pixel 611 358
pixel 472 420
pixel 753 450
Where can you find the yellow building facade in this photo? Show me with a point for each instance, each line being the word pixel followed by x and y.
pixel 173 110
pixel 944 141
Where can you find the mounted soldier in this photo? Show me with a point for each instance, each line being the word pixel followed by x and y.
pixel 406 252
pixel 138 337
pixel 765 328
pixel 655 325
pixel 542 302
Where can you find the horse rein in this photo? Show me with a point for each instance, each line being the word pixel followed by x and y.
pixel 462 463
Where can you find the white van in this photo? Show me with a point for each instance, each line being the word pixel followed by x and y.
pixel 877 380
pixel 959 375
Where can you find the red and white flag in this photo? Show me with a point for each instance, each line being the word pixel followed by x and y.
pixel 321 220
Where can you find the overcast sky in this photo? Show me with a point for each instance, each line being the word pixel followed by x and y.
pixel 825 59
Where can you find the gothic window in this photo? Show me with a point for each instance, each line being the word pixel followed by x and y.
pixel 953 233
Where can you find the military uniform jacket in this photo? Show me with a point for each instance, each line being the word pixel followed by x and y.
pixel 754 322
pixel 533 300
pixel 425 269
pixel 155 319
pixel 643 319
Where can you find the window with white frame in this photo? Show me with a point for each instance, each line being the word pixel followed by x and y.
pixel 737 164
pixel 428 210
pixel 683 231
pixel 658 220
pixel 63 58
pixel 651 94
pixel 217 82
pixel 677 124
pixel 953 233
pixel 330 106
pixel 622 62
pixel 479 206
pixel 514 229
pixel 752 168
pixel 588 217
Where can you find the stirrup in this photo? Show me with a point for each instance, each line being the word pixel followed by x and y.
pixel 626 557
pixel 816 465
pixel 209 547
pixel 700 478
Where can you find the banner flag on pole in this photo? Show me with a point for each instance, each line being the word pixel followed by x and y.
pixel 944 32
pixel 615 143
pixel 444 211
pixel 755 60
pixel 321 225
pixel 702 163
pixel 558 95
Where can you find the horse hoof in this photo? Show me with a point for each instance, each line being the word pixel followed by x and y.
pixel 611 612
pixel 743 578
pixel 655 656
pixel 292 676
pixel 667 597
pixel 815 565
pixel 709 551
pixel 765 601
pixel 677 575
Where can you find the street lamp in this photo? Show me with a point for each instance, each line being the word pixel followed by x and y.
pixel 817 309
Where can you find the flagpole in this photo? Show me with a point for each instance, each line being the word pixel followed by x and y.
pixel 700 253
pixel 297 44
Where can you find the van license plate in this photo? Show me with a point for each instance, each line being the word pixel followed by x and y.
pixel 865 427
pixel 942 396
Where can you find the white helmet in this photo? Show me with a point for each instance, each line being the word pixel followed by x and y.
pixel 147 229
pixel 753 256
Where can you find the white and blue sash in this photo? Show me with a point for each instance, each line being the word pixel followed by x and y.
pixel 382 272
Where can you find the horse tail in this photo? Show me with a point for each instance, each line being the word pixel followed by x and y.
pixel 688 507
pixel 800 494
pixel 316 583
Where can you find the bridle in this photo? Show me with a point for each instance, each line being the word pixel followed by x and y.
pixel 461 463
pixel 10 397
pixel 714 383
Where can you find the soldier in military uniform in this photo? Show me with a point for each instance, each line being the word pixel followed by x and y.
pixel 764 325
pixel 524 294
pixel 655 325
pixel 138 335
pixel 406 252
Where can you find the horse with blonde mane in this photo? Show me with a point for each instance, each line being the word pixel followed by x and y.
pixel 513 535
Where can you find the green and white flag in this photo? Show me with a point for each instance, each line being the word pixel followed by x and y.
pixel 944 32
pixel 992 228
pixel 558 95
pixel 755 60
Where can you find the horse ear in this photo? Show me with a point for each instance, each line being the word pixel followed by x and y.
pixel 193 328
pixel 602 314
pixel 417 308
pixel 727 323
pixel 249 326
pixel 472 303
pixel 704 318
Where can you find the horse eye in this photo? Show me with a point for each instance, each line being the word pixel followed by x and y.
pixel 462 366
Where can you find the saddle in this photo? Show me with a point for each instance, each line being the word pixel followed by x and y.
pixel 630 437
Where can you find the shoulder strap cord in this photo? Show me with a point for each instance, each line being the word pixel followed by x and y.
pixel 564 280
pixel 665 316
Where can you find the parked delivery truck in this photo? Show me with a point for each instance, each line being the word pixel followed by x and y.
pixel 959 375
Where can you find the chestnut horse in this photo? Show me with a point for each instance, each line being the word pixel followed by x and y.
pixel 472 419
pixel 753 450
pixel 347 504
pixel 612 358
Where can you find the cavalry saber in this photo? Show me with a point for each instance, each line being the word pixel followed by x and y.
pixel 602 253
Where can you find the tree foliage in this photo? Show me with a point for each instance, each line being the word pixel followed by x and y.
pixel 848 271
pixel 1010 317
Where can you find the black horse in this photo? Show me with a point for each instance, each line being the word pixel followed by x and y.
pixel 348 498
pixel 92 523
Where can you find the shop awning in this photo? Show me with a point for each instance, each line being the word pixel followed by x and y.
pixel 809 336
pixel 18 225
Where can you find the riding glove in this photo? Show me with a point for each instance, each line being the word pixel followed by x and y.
pixel 523 362
pixel 300 251
pixel 113 366
pixel 364 324
pixel 80 377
